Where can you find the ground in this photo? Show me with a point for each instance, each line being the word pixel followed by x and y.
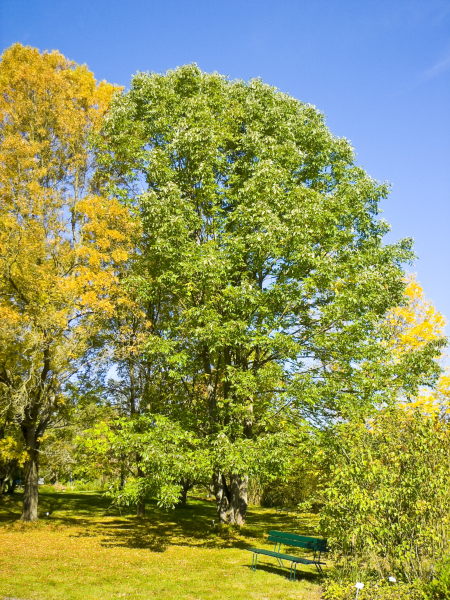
pixel 86 550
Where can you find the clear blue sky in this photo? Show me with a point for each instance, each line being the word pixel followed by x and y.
pixel 378 69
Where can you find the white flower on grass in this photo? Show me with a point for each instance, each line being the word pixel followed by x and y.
pixel 358 586
pixel 392 579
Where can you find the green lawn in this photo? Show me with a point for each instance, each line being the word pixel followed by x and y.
pixel 85 550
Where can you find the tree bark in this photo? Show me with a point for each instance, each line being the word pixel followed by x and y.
pixel 140 508
pixel 231 501
pixel 11 485
pixel 221 493
pixel 31 492
pixel 186 486
pixel 237 509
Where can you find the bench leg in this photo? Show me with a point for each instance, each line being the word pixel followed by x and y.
pixel 255 561
pixel 293 571
pixel 319 568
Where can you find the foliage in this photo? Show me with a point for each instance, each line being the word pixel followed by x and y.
pixel 300 485
pixel 414 328
pixel 149 455
pixel 61 243
pixel 297 488
pixel 262 248
pixel 12 454
pixel 84 406
pixel 139 380
pixel 11 449
pixel 415 323
pixel 439 587
pixel 373 591
pixel 387 497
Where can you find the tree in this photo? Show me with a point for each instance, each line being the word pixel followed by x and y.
pixel 415 332
pixel 261 238
pixel 156 451
pixel 415 323
pixel 61 244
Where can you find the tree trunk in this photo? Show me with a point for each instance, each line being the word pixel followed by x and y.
pixel 4 478
pixel 183 498
pixel 31 493
pixel 11 485
pixel 222 494
pixel 140 510
pixel 186 486
pixel 231 501
pixel 237 509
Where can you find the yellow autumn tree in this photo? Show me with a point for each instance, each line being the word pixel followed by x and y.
pixel 436 401
pixel 62 243
pixel 416 327
pixel 416 323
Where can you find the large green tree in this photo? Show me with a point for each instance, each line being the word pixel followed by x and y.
pixel 262 241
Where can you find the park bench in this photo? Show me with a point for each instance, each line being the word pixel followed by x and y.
pixel 281 509
pixel 291 539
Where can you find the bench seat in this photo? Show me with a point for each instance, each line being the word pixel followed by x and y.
pixel 288 557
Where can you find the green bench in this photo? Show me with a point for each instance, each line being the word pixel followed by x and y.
pixel 291 539
pixel 281 509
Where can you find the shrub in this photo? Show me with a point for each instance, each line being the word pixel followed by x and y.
pixel 439 587
pixel 388 496
pixel 82 485
pixel 373 591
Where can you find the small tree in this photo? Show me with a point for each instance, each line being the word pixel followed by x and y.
pixel 156 453
pixel 140 378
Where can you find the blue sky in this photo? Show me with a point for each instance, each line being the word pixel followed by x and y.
pixel 378 69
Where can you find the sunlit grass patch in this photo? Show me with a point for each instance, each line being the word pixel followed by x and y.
pixel 84 549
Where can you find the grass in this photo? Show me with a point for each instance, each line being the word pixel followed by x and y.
pixel 85 550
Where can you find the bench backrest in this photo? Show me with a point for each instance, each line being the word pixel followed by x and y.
pixel 299 541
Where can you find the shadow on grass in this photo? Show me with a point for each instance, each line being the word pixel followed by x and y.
pixel 90 514
pixel 276 570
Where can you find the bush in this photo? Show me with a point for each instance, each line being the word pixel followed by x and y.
pixel 373 591
pixel 96 485
pixel 387 499
pixel 298 487
pixel 439 587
